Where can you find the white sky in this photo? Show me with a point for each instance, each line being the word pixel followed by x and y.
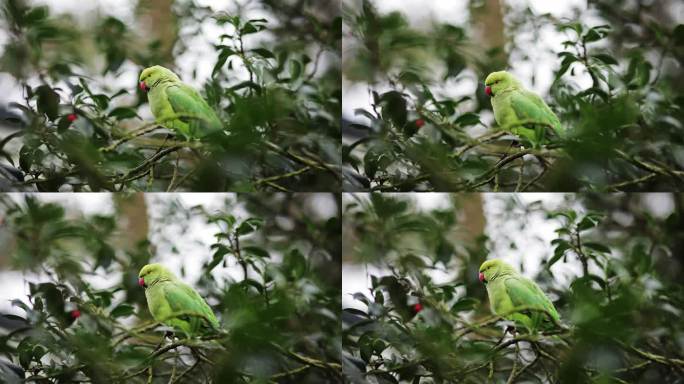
pixel 533 242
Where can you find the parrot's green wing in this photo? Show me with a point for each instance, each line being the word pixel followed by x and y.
pixel 529 109
pixel 195 313
pixel 200 119
pixel 525 293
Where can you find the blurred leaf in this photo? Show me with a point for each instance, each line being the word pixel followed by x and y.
pixel 465 304
pixel 122 310
pixel 122 113
pixel 48 101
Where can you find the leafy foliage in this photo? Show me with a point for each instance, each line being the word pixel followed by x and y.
pixel 422 132
pixel 86 319
pixel 277 95
pixel 424 317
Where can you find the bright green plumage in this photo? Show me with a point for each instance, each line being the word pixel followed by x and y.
pixel 520 111
pixel 174 303
pixel 508 290
pixel 176 105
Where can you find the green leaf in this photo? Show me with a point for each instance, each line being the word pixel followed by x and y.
pixel 568 60
pixel 592 35
pixel 468 118
pixel 366 346
pixel 248 28
pixel 248 226
pixel 587 222
pixel 596 247
pixel 464 304
pixel 48 101
pixel 678 34
pixel 361 297
pixel 101 100
pixel 122 113
pixel 217 257
pixel 25 350
pixel 356 312
pixel 63 124
pixel 256 251
pixel 36 14
pixel 105 255
pixel 606 59
pixel 363 112
pixel 295 264
pixel 25 158
pixel 559 251
pixel 122 310
pixel 223 56
pixel 394 108
pixel 371 161
pixel 295 70
pixel 263 52
pixel 14 318
pixel 54 301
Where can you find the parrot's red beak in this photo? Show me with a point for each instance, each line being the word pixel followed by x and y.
pixel 481 276
pixel 141 282
pixel 488 91
pixel 143 86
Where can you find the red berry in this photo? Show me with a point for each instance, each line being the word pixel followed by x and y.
pixel 72 116
pixel 420 123
pixel 75 314
pixel 417 307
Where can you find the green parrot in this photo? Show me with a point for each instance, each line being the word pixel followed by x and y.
pixel 169 98
pixel 507 290
pixel 167 296
pixel 518 110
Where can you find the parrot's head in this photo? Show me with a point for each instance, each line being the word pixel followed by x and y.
pixel 491 269
pixel 498 82
pixel 152 273
pixel 154 75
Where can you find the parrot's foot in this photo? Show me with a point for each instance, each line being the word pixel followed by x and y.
pixel 509 329
pixel 168 334
pixel 199 356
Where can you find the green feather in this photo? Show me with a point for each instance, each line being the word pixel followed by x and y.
pixel 174 303
pixel 520 111
pixel 178 106
pixel 508 290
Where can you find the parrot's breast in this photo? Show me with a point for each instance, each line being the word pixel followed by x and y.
pixel 503 113
pixel 158 103
pixel 156 302
pixel 499 300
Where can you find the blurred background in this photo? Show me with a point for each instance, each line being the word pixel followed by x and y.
pixel 414 106
pixel 609 262
pixel 70 70
pixel 268 264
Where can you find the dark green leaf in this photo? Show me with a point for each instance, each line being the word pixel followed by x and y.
pixel 467 119
pixel 122 113
pixel 122 310
pixel 263 52
pixel 607 59
pixel 596 247
pixel 48 101
pixel 464 304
